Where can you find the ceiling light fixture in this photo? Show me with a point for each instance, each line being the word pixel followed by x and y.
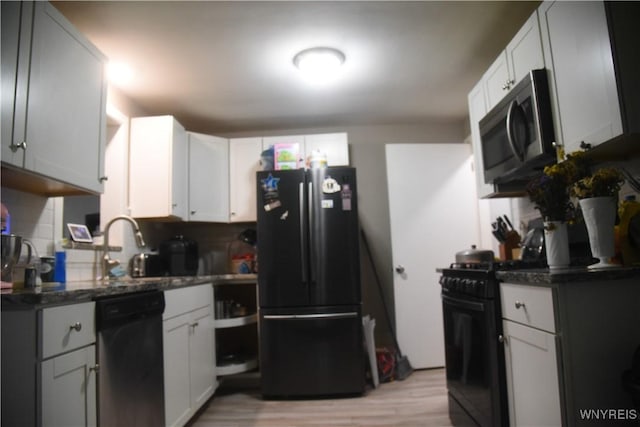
pixel 119 73
pixel 319 64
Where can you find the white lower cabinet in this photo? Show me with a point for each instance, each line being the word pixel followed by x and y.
pixel 48 366
pixel 69 389
pixel 530 350
pixel 532 376
pixel 69 377
pixel 566 344
pixel 189 352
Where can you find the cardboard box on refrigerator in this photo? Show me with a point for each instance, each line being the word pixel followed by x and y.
pixel 286 156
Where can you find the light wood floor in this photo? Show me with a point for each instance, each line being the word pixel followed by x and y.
pixel 418 401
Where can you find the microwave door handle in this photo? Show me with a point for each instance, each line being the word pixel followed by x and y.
pixel 512 143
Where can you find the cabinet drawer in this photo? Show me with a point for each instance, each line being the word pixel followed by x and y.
pixel 179 301
pixel 529 305
pixel 67 327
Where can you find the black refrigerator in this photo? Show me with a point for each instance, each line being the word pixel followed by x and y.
pixel 309 283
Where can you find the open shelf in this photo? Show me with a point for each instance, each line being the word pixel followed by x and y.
pixel 236 368
pixel 232 322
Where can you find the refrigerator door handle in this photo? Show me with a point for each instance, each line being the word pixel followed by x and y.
pixel 345 315
pixel 303 235
pixel 312 246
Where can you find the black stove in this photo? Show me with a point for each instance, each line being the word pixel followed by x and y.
pixel 479 279
pixel 476 381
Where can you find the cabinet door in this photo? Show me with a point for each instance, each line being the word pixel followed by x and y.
pixel 577 49
pixel 334 145
pixel 524 52
pixel 12 15
pixel 208 178
pixel 179 174
pixel 532 376
pixel 65 122
pixel 177 397
pixel 69 389
pixel 244 162
pixel 477 110
pixel 158 168
pixel 202 355
pixel 496 81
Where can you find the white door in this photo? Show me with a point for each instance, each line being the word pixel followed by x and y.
pixel 433 213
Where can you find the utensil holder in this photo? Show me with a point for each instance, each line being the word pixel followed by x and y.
pixel 511 242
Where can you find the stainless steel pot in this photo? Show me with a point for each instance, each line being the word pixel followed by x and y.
pixel 474 255
pixel 11 248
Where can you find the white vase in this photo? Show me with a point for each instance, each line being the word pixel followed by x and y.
pixel 600 217
pixel 556 244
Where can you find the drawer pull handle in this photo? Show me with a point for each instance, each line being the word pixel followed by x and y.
pixel 502 339
pixel 519 304
pixel 76 327
pixel 193 325
pixel 95 368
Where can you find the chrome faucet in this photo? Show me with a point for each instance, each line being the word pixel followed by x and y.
pixel 107 263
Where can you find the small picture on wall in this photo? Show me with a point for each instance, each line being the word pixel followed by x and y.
pixel 79 233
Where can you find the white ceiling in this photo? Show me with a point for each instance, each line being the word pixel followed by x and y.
pixel 227 66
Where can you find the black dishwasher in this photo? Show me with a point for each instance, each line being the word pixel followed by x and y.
pixel 129 352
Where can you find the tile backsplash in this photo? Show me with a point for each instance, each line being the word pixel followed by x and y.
pixel 32 217
pixel 36 218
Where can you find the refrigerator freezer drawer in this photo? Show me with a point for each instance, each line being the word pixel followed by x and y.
pixel 312 354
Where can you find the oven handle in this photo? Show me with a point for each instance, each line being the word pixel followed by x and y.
pixel 460 303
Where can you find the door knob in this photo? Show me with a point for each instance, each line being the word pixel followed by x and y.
pixel 400 269
pixel 15 147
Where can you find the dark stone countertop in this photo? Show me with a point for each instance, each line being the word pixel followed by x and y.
pixel 82 291
pixel 570 275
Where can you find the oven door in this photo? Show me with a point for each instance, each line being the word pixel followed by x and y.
pixel 474 363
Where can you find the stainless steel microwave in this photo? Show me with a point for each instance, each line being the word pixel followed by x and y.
pixel 517 134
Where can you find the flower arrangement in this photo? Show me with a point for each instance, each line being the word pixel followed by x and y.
pixel 604 182
pixel 550 192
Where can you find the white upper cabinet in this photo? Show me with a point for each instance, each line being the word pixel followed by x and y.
pixel 244 163
pixel 522 54
pixel 270 141
pixel 496 80
pixel 54 97
pixel 158 168
pixel 334 145
pixel 477 110
pixel 577 47
pixel 208 178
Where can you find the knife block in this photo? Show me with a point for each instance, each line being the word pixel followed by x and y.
pixel 511 242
